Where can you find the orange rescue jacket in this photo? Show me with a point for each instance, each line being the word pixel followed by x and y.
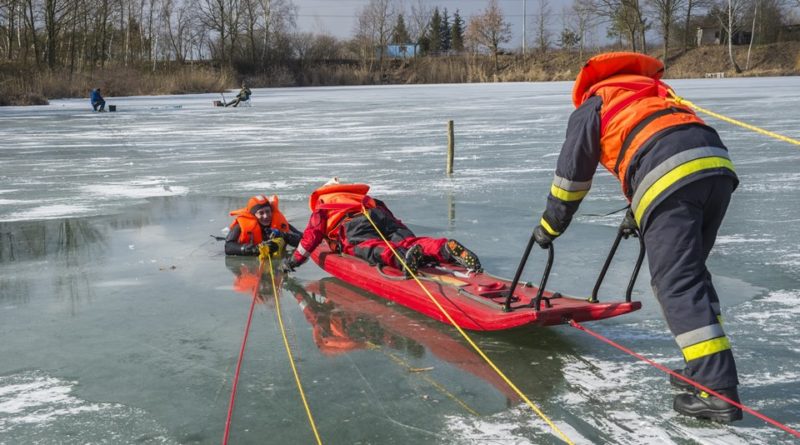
pixel 251 229
pixel 635 105
pixel 341 201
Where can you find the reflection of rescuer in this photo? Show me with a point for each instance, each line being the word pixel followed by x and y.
pixel 338 219
pixel 261 221
pixel 329 328
pixel 336 330
pixel 677 176
pixel 246 279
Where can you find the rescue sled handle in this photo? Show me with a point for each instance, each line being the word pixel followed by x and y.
pixel 536 302
pixel 626 229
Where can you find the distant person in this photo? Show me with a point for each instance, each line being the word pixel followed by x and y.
pixel 261 220
pixel 338 219
pixel 97 101
pixel 677 175
pixel 243 96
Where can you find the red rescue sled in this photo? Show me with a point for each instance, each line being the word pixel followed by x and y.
pixel 475 301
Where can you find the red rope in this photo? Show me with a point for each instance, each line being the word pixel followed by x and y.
pixel 241 356
pixel 577 325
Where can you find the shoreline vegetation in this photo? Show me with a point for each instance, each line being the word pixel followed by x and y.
pixel 28 86
pixel 66 48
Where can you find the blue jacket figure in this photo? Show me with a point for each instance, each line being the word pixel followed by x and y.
pixel 98 103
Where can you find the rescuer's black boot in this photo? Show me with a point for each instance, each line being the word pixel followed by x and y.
pixel 705 406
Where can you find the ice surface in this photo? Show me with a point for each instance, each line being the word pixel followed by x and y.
pixel 115 303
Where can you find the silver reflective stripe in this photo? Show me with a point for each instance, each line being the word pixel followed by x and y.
pixel 669 165
pixel 571 186
pixel 698 335
pixel 302 251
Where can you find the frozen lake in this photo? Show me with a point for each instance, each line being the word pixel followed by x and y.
pixel 121 319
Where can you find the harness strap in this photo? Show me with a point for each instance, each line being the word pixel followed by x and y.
pixel 640 93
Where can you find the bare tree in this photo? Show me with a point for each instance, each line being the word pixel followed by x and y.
pixel 731 30
pixel 222 17
pixel 579 19
pixel 625 17
pixel 31 19
pixel 421 15
pixel 729 15
pixel 179 24
pixel 752 34
pixel 8 25
pixel 665 12
pixel 489 29
pixel 542 23
pixel 55 12
pixel 375 22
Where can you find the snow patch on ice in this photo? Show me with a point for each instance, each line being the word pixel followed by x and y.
pixel 135 190
pixel 37 408
pixel 49 212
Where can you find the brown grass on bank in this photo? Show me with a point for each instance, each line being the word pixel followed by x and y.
pixel 777 59
pixel 31 87
pixel 27 86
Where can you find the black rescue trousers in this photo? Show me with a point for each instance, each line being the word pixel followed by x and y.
pixel 366 243
pixel 679 235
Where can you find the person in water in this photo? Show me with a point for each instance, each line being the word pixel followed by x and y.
pixel 677 175
pixel 243 96
pixel 338 219
pixel 260 221
pixel 97 101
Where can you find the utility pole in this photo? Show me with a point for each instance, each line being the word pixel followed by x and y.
pixel 524 22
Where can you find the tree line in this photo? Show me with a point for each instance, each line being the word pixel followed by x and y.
pixel 259 35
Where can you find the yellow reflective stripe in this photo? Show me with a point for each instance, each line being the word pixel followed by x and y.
pixel 705 348
pixel 547 227
pixel 565 195
pixel 675 175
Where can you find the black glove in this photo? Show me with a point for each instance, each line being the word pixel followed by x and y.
pixel 271 245
pixel 288 265
pixel 628 226
pixel 542 237
pixel 249 249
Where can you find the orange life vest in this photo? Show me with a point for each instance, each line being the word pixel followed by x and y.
pixel 341 201
pixel 251 229
pixel 635 105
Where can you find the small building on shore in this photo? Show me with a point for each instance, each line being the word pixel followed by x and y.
pixel 402 51
pixel 716 35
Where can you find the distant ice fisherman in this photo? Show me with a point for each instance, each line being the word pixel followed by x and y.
pixel 97 101
pixel 243 96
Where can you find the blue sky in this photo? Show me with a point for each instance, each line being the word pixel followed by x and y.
pixel 337 17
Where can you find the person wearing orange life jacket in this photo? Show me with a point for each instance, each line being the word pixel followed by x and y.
pixel 338 219
pixel 259 221
pixel 677 175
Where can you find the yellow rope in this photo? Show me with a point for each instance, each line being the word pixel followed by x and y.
pixel 464 334
pixel 681 101
pixel 286 344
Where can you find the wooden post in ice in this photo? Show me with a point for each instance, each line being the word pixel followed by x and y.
pixel 450 147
